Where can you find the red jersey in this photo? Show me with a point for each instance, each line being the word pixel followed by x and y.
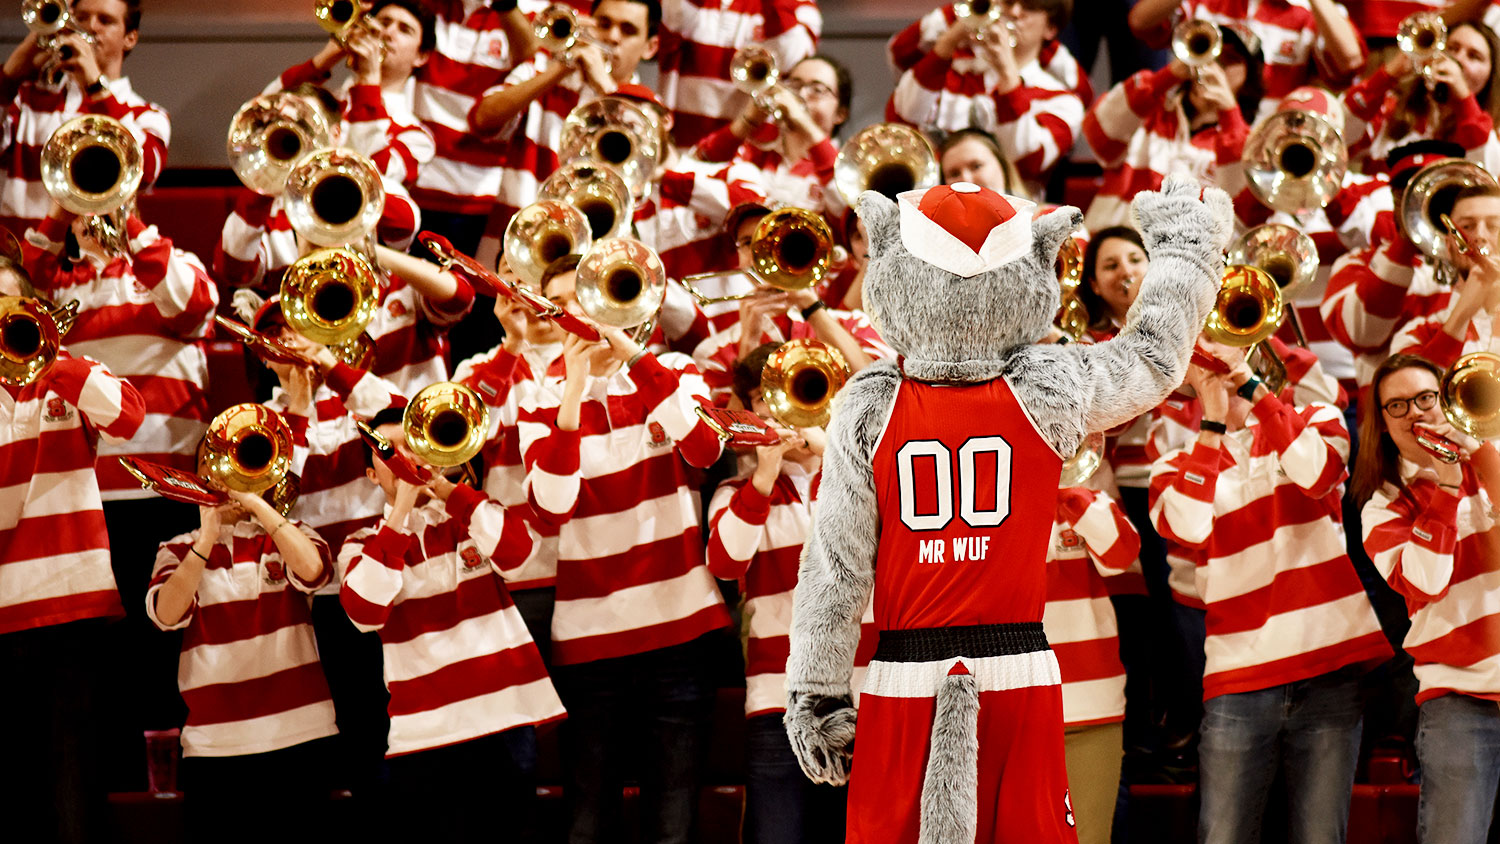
pixel 967 491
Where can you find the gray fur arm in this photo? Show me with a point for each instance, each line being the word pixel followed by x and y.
pixel 1115 381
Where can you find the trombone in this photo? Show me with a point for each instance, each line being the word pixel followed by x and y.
pixel 50 19
pixel 596 190
pixel 1286 254
pixel 621 283
pixel 445 424
pixel 1428 197
pixel 1295 161
pixel 888 158
pixel 792 249
pixel 541 233
pixel 248 448
pixel 1197 44
pixel 460 264
pixel 799 381
pixel 334 197
pixel 330 296
pixel 1084 462
pixel 269 135
pixel 1248 310
pixel 31 332
pixel 1469 392
pixel 615 132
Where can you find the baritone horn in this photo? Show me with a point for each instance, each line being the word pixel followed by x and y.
pixel 541 233
pixel 799 381
pixel 334 197
pixel 1470 394
pixel 791 249
pixel 621 282
pixel 269 135
pixel 1429 195
pixel 597 191
pixel 92 166
pixel 330 296
pixel 248 448
pixel 445 424
pixel 888 158
pixel 31 332
pixel 1197 44
pixel 615 132
pixel 1295 161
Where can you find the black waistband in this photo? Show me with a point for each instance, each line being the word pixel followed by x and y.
pixel 980 640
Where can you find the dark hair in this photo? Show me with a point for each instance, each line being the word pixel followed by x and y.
pixel 388 416
pixel 1475 191
pixel 748 368
pixel 566 263
pixel 1489 94
pixel 1059 12
pixel 1378 461
pixel 425 19
pixel 1013 181
pixel 1099 318
pixel 333 110
pixel 653 13
pixel 132 15
pixel 842 79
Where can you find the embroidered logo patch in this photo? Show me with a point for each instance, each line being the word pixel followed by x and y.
pixel 57 411
pixel 275 571
pixel 658 435
pixel 473 561
pixel 1068 538
pixel 396 308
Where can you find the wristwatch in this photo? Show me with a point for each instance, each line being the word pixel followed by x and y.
pixel 1213 427
pixel 1247 389
pixel 98 86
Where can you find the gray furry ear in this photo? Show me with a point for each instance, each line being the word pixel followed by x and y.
pixel 882 219
pixel 1050 230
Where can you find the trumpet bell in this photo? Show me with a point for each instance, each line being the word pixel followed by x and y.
pixel 1288 255
pixel 556 28
pixel 1470 392
pixel 791 249
pixel 338 17
pixel 615 132
pixel 45 17
pixel 92 165
pixel 888 158
pixel 247 448
pixel 269 135
pixel 445 424
pixel 1197 43
pixel 330 296
pixel 1422 35
pixel 597 191
pixel 621 282
pixel 541 233
pixel 1084 462
pixel 334 197
pixel 1248 309
pixel 753 70
pixel 1295 161
pixel 29 340
pixel 800 380
pixel 1429 195
pixel 977 14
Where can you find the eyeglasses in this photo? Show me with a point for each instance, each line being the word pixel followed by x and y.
pixel 809 90
pixel 1397 408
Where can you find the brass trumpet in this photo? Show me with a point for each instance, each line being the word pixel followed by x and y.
pixel 558 31
pixel 888 158
pixel 31 333
pixel 50 19
pixel 269 135
pixel 334 197
pixel 1197 44
pixel 343 19
pixel 615 132
pixel 596 190
pixel 1429 195
pixel 446 424
pixel 1295 161
pixel 755 74
pixel 247 448
pixel 800 380
pixel 1422 37
pixel 541 233
pixel 330 296
pixel 792 249
pixel 621 282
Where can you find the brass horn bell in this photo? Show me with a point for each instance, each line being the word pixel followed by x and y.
pixel 791 249
pixel 92 165
pixel 888 158
pixel 269 135
pixel 1197 43
pixel 541 233
pixel 616 132
pixel 597 191
pixel 799 381
pixel 1422 37
pixel 1295 161
pixel 247 448
pixel 1084 462
pixel 446 424
pixel 31 334
pixel 330 296
pixel 1428 196
pixel 1470 392
pixel 1288 255
pixel 334 197
pixel 621 282
pixel 1248 309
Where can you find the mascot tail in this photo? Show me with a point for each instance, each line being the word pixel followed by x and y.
pixel 950 789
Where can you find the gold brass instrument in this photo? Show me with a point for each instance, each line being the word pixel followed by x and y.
pixel 541 233
pixel 269 135
pixel 755 74
pixel 1422 37
pixel 559 31
pixel 283 496
pixel 247 448
pixel 50 19
pixel 1078 468
pixel 1465 247
pixel 1246 313
pixel 334 197
pixel 330 296
pixel 358 353
pixel 888 158
pixel 596 190
pixel 1428 196
pixel 1470 394
pixel 1295 161
pixel 1197 44
pixel 1288 255
pixel 445 424
pixel 343 19
pixel 92 166
pixel 792 249
pixel 31 332
pixel 1073 319
pixel 800 380
pixel 616 132
pixel 621 282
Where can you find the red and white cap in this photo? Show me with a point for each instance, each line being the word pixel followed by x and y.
pixel 964 228
pixel 1315 99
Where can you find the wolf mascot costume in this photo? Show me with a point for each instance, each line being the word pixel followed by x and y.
pixel 938 494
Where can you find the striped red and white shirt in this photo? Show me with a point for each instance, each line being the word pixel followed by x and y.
pixel 54 550
pixel 623 490
pixel 249 670
pixel 144 317
pixel 1284 602
pixel 1372 105
pixel 683 218
pixel 1140 134
pixel 908 46
pixel 698 41
pixel 1371 293
pixel 1092 542
pixel 1425 337
pixel 1380 18
pixel 1035 123
pixel 757 540
pixel 716 355
pixel 1437 549
pixel 38 111
pixel 806 183
pixel 459 663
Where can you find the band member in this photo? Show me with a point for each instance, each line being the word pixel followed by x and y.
pixel 973 155
pixel 258 706
pixel 467 685
pixel 1429 526
pixel 92 82
pixel 1467 323
pixel 56 585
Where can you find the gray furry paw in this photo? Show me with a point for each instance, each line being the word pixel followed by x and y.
pixel 1174 217
pixel 821 730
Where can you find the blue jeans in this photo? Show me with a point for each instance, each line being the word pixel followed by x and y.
pixel 1458 744
pixel 1309 730
pixel 782 806
pixel 647 713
